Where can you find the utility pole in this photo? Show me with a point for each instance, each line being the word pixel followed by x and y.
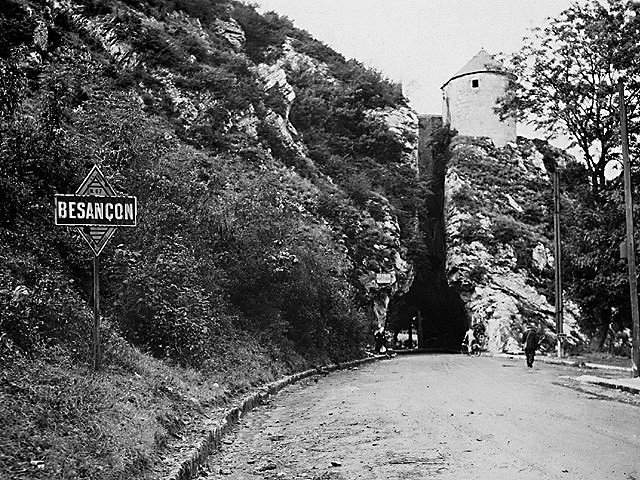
pixel 557 253
pixel 631 256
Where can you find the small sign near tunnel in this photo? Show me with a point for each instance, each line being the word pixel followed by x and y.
pixel 384 278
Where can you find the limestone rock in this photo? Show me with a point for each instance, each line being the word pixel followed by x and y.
pixel 103 30
pixel 403 124
pixel 388 260
pixel 232 32
pixel 297 62
pixel 499 245
pixel 385 254
pixel 541 257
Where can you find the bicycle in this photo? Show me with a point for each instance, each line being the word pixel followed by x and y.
pixel 475 349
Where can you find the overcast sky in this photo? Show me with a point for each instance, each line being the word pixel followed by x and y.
pixel 420 43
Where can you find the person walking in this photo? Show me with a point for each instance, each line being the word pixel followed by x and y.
pixel 379 339
pixel 530 343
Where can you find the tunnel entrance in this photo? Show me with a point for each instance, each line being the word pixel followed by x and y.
pixel 435 308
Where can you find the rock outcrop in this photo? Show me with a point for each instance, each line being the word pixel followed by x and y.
pixel 402 122
pixel 386 254
pixel 387 274
pixel 232 32
pixel 499 243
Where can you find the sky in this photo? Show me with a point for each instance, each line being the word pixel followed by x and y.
pixel 419 43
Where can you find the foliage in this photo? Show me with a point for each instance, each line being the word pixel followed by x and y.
pixel 568 75
pixel 246 257
pixel 16 26
pixel 508 231
pixel 592 230
pixel 41 308
pixel 204 10
pixel 354 148
pixel 264 34
pixel 161 307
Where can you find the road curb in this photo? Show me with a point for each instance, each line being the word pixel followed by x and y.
pixel 616 384
pixel 212 440
pixel 569 363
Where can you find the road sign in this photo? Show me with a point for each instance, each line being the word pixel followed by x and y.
pixel 96 210
pixel 77 210
pixel 384 278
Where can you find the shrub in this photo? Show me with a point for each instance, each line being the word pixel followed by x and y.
pixel 358 187
pixel 159 304
pixel 506 230
pixel 264 34
pixel 472 230
pixel 43 310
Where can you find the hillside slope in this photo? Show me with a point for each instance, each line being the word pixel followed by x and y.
pixel 274 179
pixel 245 151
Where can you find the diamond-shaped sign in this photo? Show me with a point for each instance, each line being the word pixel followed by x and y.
pixel 96 210
pixel 95 183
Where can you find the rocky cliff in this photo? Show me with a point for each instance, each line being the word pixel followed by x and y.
pixel 498 209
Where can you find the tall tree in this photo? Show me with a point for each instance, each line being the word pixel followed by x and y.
pixel 567 78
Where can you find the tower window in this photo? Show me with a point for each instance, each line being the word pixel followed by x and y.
pixel 475 83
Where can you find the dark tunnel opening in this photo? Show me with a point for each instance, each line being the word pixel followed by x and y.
pixel 435 308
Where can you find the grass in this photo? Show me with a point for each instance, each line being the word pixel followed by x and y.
pixel 60 420
pixel 601 358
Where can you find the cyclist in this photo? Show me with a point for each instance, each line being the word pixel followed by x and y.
pixel 480 330
pixel 469 339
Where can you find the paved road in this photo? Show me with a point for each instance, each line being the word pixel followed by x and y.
pixel 438 416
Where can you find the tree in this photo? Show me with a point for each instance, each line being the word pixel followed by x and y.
pixel 567 79
pixel 593 271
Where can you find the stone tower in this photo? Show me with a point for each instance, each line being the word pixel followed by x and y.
pixel 469 99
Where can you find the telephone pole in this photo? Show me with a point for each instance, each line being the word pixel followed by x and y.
pixel 557 252
pixel 631 256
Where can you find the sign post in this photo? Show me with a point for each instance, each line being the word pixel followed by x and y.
pixel 97 357
pixel 96 210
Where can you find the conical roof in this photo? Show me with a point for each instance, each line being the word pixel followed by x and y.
pixel 481 62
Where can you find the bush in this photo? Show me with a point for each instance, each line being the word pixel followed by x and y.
pixel 264 34
pixel 358 187
pixel 160 306
pixel 472 230
pixel 506 230
pixel 43 310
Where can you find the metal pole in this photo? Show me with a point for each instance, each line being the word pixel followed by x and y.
pixel 557 247
pixel 631 256
pixel 96 315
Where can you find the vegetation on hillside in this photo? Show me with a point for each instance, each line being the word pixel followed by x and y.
pixel 248 254
pixel 568 83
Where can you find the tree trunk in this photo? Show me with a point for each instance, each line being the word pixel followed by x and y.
pixel 605 320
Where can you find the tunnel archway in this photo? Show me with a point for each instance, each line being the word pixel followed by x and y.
pixel 443 318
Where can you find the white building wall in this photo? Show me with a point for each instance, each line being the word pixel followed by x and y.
pixel 470 110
